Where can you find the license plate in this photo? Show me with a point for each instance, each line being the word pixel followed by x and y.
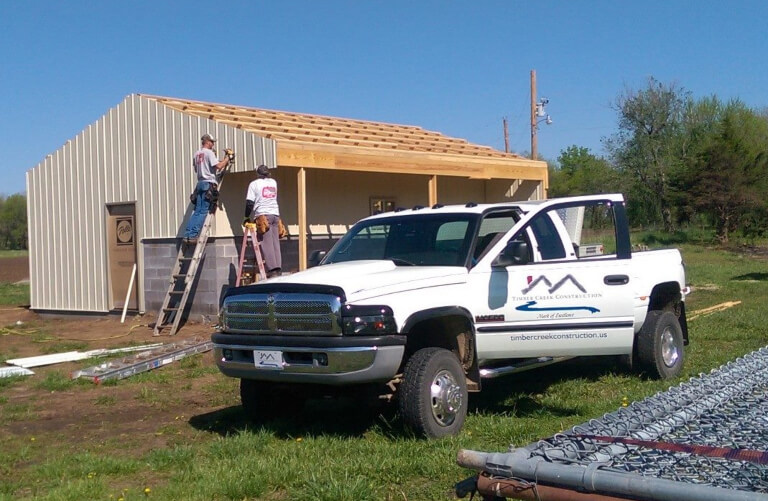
pixel 268 359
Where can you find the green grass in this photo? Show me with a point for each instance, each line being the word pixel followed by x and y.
pixel 14 294
pixel 13 253
pixel 341 451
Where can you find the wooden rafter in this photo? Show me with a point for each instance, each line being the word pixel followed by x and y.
pixel 297 133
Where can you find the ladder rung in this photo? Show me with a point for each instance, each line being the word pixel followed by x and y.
pixel 176 292
pixel 170 309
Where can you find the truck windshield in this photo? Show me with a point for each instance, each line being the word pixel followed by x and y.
pixel 420 240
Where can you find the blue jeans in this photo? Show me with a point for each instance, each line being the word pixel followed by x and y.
pixel 202 207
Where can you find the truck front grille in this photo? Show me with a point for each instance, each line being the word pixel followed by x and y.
pixel 282 313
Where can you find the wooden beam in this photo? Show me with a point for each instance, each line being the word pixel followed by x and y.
pixel 260 125
pixel 399 162
pixel 432 190
pixel 301 183
pixel 354 138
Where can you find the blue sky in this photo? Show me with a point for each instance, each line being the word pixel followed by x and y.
pixel 457 67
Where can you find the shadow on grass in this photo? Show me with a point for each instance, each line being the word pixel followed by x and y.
pixel 347 417
pixel 658 238
pixel 516 394
pixel 751 276
pixel 341 417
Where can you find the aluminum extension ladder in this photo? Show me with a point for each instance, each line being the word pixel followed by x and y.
pixel 144 361
pixel 185 271
pixel 182 278
pixel 247 277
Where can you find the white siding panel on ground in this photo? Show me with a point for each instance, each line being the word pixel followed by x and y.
pixel 139 152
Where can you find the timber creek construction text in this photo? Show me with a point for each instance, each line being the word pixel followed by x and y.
pixel 564 335
pixel 555 297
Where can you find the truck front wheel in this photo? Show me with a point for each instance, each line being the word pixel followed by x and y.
pixel 433 395
pixel 660 345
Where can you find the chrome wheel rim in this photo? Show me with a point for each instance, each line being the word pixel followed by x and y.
pixel 445 395
pixel 670 352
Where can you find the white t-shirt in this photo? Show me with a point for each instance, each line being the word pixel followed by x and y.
pixel 263 193
pixel 205 162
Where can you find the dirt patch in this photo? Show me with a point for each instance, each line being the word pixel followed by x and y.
pixel 754 251
pixel 14 269
pixel 137 414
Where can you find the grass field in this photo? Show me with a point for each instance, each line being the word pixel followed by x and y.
pixel 338 450
pixel 13 253
pixel 14 294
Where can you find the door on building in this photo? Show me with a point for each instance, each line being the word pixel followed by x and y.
pixel 121 245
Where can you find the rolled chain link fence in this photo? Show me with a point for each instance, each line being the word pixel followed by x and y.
pixel 711 431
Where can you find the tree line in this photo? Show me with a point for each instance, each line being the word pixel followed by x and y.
pixel 13 222
pixel 679 161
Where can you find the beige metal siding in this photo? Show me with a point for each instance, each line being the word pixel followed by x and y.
pixel 139 152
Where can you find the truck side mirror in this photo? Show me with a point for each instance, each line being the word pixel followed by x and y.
pixel 315 258
pixel 514 253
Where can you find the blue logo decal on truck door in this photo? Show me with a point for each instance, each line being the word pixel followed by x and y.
pixel 529 306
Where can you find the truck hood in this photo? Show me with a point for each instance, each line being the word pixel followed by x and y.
pixel 366 279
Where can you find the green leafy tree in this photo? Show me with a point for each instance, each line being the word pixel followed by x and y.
pixel 727 177
pixel 649 147
pixel 582 173
pixel 13 222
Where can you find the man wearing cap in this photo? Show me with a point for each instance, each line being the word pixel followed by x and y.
pixel 206 167
pixel 261 199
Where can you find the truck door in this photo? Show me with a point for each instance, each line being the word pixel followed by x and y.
pixel 569 295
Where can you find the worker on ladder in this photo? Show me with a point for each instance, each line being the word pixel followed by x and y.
pixel 206 193
pixel 261 208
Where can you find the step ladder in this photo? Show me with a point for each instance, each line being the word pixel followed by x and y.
pixel 246 269
pixel 182 278
pixel 144 361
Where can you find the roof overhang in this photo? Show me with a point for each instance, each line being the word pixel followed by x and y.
pixel 319 156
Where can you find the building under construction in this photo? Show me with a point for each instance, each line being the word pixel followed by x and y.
pixel 106 211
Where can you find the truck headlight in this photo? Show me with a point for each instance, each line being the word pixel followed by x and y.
pixel 367 320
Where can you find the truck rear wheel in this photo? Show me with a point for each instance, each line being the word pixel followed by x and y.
pixel 660 345
pixel 433 395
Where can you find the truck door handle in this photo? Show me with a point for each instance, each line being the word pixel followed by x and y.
pixel 616 280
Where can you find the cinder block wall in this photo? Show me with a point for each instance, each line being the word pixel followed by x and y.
pixel 219 260
pixel 217 273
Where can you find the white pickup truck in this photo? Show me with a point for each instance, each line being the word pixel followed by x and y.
pixel 423 304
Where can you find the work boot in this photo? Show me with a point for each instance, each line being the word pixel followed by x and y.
pixel 190 242
pixel 275 272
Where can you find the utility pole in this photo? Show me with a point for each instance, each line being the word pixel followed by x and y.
pixel 506 136
pixel 534 124
pixel 538 114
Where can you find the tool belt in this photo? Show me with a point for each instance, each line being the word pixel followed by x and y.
pixel 262 224
pixel 211 194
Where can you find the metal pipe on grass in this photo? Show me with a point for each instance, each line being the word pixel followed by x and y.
pixel 590 479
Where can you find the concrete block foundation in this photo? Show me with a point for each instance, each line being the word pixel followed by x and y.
pixel 217 273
